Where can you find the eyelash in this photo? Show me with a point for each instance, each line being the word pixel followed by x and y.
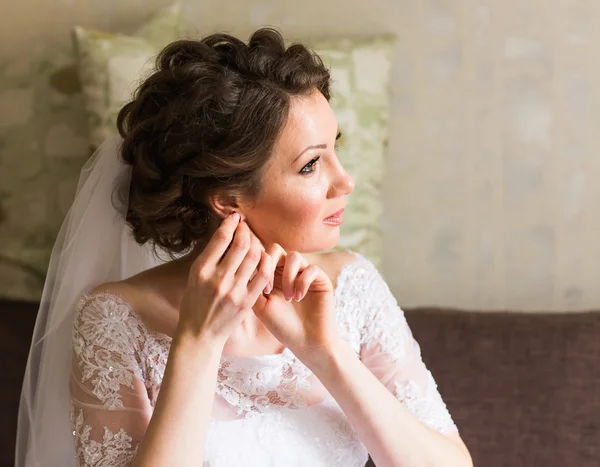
pixel 315 160
pixel 311 164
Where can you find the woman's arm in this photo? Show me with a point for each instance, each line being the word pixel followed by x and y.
pixel 177 432
pixel 224 281
pixel 387 392
pixel 113 419
pixel 393 436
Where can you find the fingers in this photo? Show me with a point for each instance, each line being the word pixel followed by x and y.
pixel 253 256
pixel 289 265
pixel 238 250
pixel 278 254
pixel 304 281
pixel 263 279
pixel 294 263
pixel 219 242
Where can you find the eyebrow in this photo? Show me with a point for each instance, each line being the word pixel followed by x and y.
pixel 318 146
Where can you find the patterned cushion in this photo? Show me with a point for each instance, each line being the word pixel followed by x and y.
pixel 111 65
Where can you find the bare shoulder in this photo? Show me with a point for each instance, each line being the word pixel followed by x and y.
pixel 125 290
pixel 332 262
pixel 151 296
pixel 136 290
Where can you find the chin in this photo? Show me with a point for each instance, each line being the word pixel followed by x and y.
pixel 324 242
pixel 311 240
pixel 331 244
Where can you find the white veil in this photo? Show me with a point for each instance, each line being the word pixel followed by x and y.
pixel 93 246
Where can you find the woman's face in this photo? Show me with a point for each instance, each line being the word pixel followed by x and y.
pixel 304 183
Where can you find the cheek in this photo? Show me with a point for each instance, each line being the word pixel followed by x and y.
pixel 304 206
pixel 293 218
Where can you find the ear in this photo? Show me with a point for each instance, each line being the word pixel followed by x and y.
pixel 224 205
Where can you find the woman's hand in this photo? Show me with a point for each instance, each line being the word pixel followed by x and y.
pixel 299 311
pixel 224 282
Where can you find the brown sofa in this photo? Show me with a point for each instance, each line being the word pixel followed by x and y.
pixel 524 389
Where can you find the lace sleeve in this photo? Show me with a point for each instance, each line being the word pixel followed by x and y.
pixel 388 349
pixel 110 408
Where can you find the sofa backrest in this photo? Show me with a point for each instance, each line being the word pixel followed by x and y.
pixel 523 388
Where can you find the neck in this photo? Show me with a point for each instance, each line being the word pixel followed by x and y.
pixel 185 262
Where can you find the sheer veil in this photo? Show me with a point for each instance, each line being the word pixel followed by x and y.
pixel 93 246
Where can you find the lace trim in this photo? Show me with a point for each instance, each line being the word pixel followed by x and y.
pixel 348 297
pixel 104 338
pixel 347 437
pixel 371 317
pixel 156 354
pixel 113 346
pixel 115 450
pixel 258 386
pixel 428 408
pixel 106 323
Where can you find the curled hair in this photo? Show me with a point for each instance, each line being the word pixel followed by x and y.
pixel 205 122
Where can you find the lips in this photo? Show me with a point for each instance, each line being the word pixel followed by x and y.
pixel 335 218
pixel 336 214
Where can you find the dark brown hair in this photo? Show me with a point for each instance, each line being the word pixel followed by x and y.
pixel 205 122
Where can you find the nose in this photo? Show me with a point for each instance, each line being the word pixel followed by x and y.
pixel 342 182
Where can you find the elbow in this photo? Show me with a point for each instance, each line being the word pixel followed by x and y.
pixel 461 456
pixel 466 460
pixel 461 460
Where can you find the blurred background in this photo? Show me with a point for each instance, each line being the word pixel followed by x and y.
pixel 471 128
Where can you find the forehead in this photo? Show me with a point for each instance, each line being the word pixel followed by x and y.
pixel 311 121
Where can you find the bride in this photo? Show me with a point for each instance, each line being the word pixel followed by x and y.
pixel 190 319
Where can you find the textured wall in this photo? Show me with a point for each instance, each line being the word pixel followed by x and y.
pixel 491 190
pixel 495 154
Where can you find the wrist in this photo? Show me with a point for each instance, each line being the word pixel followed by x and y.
pixel 188 343
pixel 330 357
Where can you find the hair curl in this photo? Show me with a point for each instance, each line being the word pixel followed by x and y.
pixel 205 122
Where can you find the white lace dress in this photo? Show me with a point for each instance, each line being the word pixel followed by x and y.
pixel 269 411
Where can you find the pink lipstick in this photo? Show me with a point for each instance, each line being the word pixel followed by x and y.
pixel 334 219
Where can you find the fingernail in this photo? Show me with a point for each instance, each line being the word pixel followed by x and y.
pixel 235 216
pixel 297 296
pixel 293 295
pixel 268 288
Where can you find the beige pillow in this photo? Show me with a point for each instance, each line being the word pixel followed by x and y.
pixel 111 65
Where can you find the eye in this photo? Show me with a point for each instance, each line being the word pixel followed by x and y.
pixel 337 140
pixel 310 167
